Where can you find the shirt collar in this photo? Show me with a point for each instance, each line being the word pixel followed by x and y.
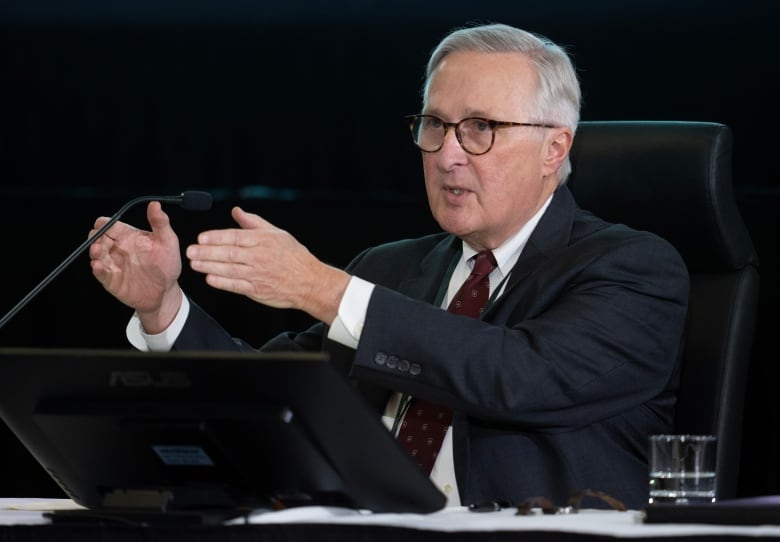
pixel 508 252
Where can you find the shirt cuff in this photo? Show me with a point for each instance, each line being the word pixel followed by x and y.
pixel 159 342
pixel 348 325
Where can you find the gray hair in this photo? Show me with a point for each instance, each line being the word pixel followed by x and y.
pixel 558 97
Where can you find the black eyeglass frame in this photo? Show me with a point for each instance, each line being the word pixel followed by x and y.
pixel 494 125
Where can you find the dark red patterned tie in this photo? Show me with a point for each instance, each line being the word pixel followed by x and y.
pixel 425 424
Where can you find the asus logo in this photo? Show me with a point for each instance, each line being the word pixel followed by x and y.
pixel 147 379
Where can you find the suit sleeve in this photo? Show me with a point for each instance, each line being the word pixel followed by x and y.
pixel 202 332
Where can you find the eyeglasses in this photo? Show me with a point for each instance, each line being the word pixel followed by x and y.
pixel 573 505
pixel 475 134
pixel 528 506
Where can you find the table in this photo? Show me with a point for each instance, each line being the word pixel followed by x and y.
pixel 24 520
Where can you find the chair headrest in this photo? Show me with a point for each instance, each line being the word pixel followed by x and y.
pixel 669 177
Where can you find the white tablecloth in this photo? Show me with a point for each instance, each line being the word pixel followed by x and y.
pixel 598 522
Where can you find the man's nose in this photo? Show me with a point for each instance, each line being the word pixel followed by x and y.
pixel 451 149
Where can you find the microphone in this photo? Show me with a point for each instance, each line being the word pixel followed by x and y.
pixel 192 200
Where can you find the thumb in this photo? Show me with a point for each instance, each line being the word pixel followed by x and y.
pixel 157 218
pixel 247 220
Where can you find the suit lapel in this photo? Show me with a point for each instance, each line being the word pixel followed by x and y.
pixel 551 233
pixel 433 271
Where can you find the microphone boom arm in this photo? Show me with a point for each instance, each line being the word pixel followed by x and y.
pixel 192 200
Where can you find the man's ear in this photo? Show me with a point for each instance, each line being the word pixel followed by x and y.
pixel 558 145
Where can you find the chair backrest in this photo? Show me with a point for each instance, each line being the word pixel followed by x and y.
pixel 674 179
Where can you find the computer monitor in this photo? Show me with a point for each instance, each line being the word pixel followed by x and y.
pixel 197 431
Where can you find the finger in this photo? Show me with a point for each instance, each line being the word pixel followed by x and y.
pixel 101 220
pixel 244 237
pixel 158 220
pixel 98 269
pixel 116 231
pixel 103 269
pixel 231 236
pixel 216 253
pixel 99 247
pixel 103 244
pixel 99 223
pixel 233 285
pixel 248 220
pixel 226 269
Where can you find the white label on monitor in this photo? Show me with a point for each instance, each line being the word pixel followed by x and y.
pixel 186 456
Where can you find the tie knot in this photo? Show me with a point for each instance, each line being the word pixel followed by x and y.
pixel 484 263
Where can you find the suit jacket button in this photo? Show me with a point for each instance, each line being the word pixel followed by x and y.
pixel 403 365
pixel 380 358
pixel 392 362
pixel 415 369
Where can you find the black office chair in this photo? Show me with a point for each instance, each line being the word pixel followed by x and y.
pixel 674 179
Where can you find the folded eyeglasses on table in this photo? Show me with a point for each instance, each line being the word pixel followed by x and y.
pixel 531 505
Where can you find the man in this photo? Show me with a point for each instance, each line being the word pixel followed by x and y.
pixel 556 386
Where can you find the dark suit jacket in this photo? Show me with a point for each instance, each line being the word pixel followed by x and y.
pixel 559 384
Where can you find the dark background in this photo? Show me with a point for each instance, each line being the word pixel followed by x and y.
pixel 294 110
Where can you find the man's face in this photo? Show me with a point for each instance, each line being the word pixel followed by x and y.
pixel 486 199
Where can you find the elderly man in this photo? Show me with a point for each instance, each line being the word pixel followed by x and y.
pixel 546 374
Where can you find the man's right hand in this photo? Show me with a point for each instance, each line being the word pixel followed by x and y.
pixel 141 268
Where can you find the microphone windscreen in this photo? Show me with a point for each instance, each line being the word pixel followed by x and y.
pixel 194 200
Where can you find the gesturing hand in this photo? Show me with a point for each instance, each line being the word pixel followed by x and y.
pixel 141 268
pixel 268 265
